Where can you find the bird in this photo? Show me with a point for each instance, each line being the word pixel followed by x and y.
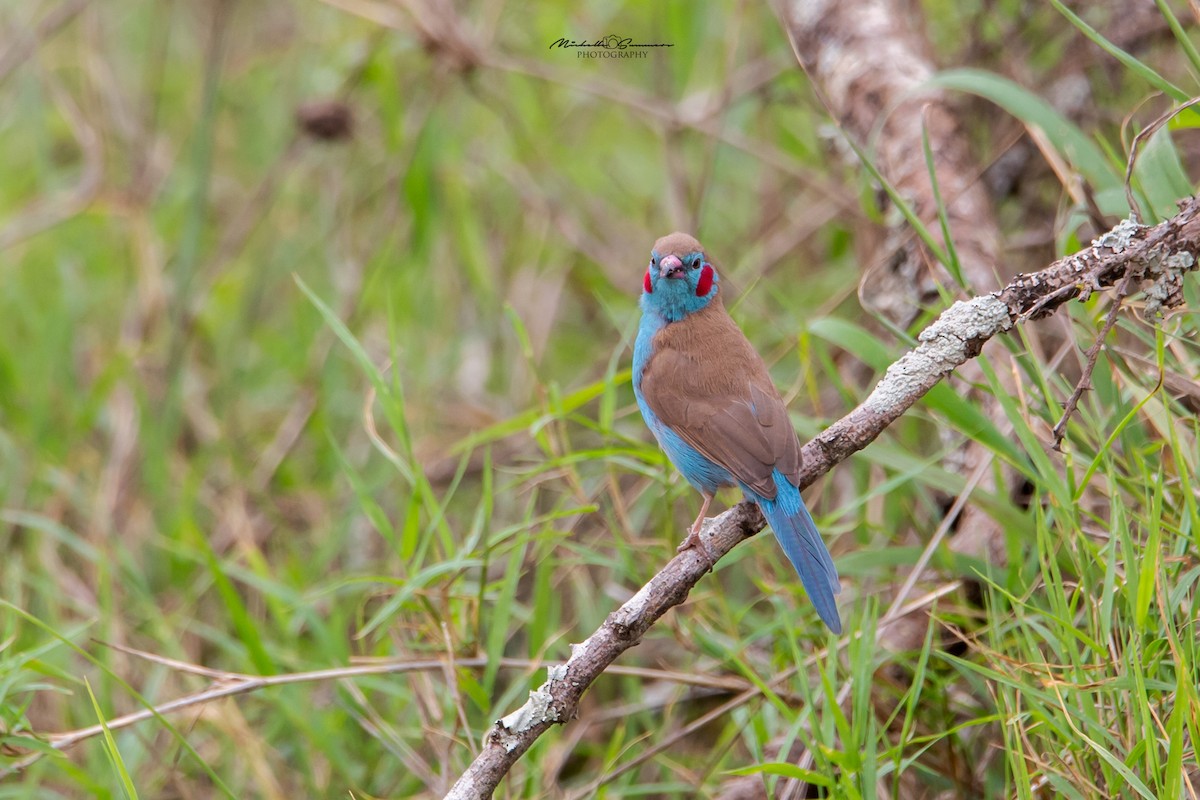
pixel 707 397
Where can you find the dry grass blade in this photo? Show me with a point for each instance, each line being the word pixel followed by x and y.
pixel 1138 140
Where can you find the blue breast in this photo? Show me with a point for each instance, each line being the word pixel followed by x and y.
pixel 696 469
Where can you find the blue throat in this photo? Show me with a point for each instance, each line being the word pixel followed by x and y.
pixel 671 301
pixel 674 299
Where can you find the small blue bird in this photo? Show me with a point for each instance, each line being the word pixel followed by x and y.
pixel 707 397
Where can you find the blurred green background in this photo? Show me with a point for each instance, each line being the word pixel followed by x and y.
pixel 198 461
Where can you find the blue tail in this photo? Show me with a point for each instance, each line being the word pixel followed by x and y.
pixel 798 536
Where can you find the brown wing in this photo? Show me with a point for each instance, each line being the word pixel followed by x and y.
pixel 708 384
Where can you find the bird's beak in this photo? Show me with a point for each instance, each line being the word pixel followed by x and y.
pixel 671 267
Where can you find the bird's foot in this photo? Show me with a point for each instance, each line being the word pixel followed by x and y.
pixel 693 540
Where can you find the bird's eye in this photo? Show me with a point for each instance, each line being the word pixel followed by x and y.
pixel 695 262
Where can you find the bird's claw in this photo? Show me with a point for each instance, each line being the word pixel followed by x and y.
pixel 693 540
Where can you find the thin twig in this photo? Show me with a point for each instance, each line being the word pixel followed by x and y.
pixel 230 684
pixel 1142 135
pixel 175 664
pixel 1093 355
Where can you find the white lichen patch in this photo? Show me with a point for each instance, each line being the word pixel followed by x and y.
pixel 635 607
pixel 1120 237
pixel 1179 262
pixel 943 347
pixel 538 708
pixel 1168 282
pixel 1156 294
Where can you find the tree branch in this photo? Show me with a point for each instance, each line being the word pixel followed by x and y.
pixel 1158 256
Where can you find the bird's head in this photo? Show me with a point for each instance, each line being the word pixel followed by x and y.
pixel 680 280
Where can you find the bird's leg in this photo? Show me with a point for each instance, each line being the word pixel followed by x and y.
pixel 693 537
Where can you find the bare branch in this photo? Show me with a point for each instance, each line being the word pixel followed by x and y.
pixel 1159 255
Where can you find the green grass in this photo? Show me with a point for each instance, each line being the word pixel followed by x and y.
pixel 271 405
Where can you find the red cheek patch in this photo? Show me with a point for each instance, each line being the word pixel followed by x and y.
pixel 646 283
pixel 705 283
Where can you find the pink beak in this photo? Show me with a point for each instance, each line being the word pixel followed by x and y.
pixel 670 267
